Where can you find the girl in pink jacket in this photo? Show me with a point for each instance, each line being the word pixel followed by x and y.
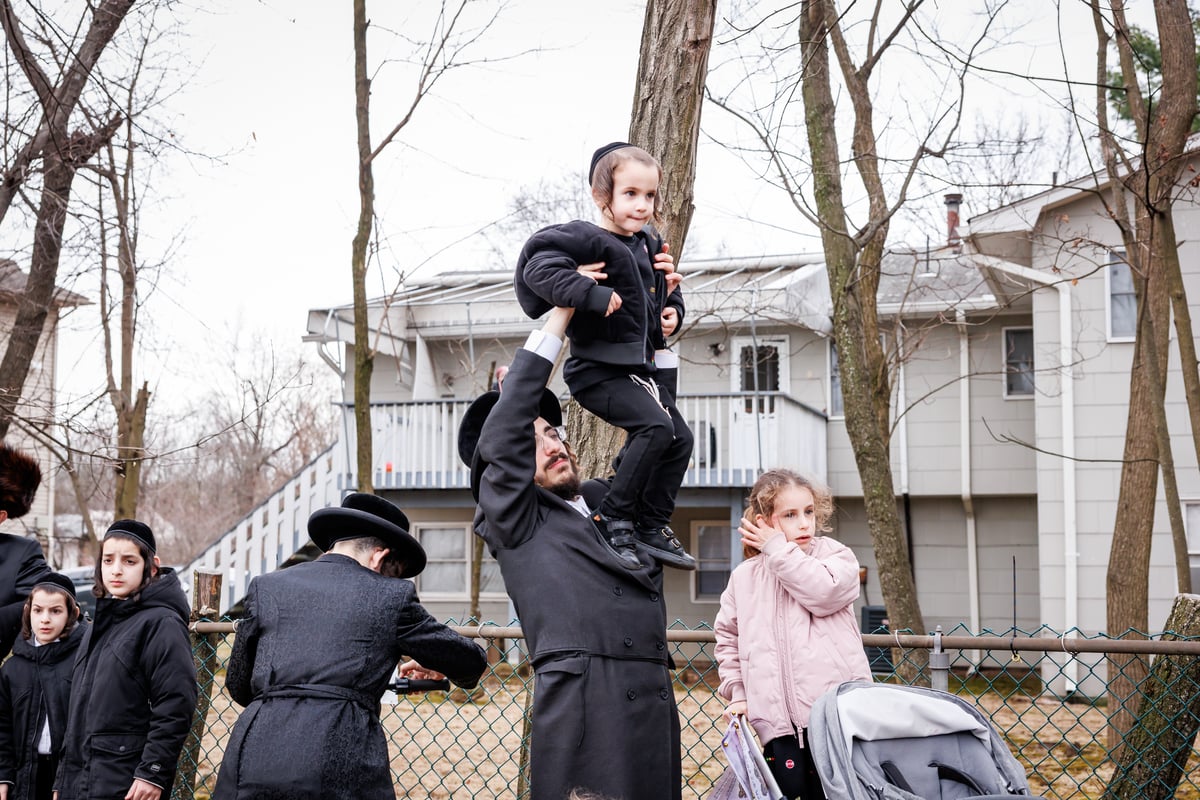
pixel 786 630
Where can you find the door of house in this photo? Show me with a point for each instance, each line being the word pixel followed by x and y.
pixel 759 368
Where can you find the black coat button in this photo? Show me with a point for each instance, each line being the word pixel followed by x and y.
pixel 663 694
pixel 617 591
pixel 654 597
pixel 631 694
pixel 660 645
pixel 628 642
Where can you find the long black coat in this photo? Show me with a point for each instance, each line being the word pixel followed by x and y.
pixel 133 692
pixel 604 715
pixel 310 663
pixel 35 687
pixel 21 564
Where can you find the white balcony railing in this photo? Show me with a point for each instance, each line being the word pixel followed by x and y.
pixel 271 533
pixel 737 436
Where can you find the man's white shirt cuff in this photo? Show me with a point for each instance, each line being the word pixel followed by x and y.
pixel 543 344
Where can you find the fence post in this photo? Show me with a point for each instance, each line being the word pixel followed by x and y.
pixel 206 599
pixel 939 663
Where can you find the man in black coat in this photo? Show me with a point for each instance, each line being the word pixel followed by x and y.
pixel 604 715
pixel 21 559
pixel 312 659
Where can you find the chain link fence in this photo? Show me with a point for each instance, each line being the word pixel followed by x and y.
pixel 1046 692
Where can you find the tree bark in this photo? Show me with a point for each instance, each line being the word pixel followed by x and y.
pixel 852 268
pixel 58 102
pixel 364 358
pixel 1144 180
pixel 676 40
pixel 668 96
pixel 1157 748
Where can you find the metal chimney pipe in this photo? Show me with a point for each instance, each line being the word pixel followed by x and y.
pixel 953 201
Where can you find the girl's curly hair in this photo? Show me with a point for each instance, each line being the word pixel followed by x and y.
pixel 766 490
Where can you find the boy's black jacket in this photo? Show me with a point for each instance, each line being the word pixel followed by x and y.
pixel 546 277
pixel 35 684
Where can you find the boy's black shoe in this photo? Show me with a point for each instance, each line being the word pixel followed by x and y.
pixel 662 545
pixel 620 534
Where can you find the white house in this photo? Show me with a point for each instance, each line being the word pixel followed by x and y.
pixel 995 356
pixel 36 407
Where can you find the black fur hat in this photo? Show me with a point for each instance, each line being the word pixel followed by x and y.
pixel 20 477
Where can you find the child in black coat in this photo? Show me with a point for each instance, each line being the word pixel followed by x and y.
pixel 134 686
pixel 613 275
pixel 35 685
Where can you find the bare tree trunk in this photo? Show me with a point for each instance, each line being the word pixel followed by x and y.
pixel 131 443
pixel 1145 180
pixel 676 40
pixel 668 96
pixel 62 154
pixel 1159 745
pixel 852 267
pixel 58 101
pixel 364 358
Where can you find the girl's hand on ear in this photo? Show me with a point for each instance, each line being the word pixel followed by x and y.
pixel 141 790
pixel 756 533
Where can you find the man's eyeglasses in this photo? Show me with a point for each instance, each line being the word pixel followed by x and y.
pixel 552 436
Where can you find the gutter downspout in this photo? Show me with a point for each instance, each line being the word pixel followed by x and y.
pixel 964 439
pixel 1067 386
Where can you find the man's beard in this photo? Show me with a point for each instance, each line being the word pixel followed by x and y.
pixel 568 487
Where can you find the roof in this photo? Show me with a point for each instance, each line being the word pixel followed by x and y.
pixel 12 287
pixel 790 288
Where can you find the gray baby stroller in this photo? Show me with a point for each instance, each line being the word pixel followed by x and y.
pixel 878 741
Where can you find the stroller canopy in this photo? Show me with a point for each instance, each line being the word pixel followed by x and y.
pixel 876 740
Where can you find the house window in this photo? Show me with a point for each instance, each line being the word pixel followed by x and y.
pixel 760 373
pixel 1018 362
pixel 712 559
pixel 1191 522
pixel 835 383
pixel 1122 301
pixel 448 568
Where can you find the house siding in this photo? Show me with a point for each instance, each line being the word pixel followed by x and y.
pixel 36 405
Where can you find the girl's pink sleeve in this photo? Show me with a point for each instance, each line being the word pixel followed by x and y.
pixel 729 665
pixel 825 582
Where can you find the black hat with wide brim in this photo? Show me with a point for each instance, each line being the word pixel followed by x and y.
pixel 362 515
pixel 469 429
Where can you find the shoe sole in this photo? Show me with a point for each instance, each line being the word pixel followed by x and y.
pixel 667 557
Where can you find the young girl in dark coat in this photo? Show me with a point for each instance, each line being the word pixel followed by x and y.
pixel 34 688
pixel 134 685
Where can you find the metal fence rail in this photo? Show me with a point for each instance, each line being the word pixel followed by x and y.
pixel 1042 691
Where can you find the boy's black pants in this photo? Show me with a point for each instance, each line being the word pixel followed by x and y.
pixel 656 452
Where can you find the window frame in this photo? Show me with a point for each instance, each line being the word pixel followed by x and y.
pixel 694 582
pixel 1116 257
pixel 833 369
pixel 1004 358
pixel 464 591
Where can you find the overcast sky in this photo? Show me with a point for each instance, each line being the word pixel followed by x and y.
pixel 267 227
